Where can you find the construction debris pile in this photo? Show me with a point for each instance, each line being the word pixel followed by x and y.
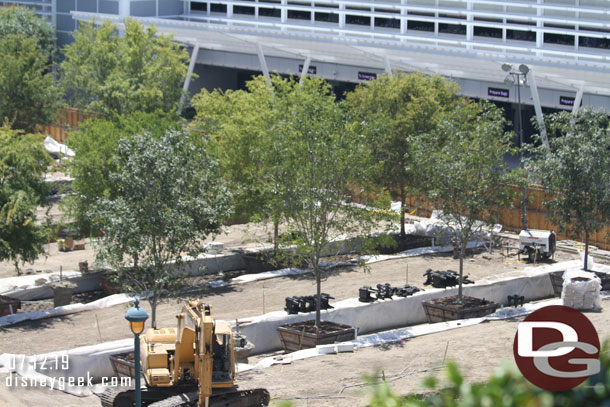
pixel 384 291
pixel 444 279
pixel 307 303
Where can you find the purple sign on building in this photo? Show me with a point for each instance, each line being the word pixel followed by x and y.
pixel 367 76
pixel 566 100
pixel 497 92
pixel 312 69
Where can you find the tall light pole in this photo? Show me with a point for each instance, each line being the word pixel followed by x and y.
pixel 519 77
pixel 137 317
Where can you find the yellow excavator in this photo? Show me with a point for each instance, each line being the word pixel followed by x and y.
pixel 191 365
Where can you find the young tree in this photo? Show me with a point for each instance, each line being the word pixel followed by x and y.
pixel 243 126
pixel 468 177
pixel 390 112
pixel 95 143
pixel 575 170
pixel 137 71
pixel 23 162
pixel 240 123
pixel 321 158
pixel 171 197
pixel 28 96
pixel 24 23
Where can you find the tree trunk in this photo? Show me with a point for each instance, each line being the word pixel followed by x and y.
pixel 402 215
pixel 153 311
pixel 586 248
pixel 462 254
pixel 276 234
pixel 316 272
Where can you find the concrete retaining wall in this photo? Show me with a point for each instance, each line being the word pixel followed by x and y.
pixel 382 315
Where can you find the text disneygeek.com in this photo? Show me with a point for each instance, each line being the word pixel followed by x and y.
pixel 46 367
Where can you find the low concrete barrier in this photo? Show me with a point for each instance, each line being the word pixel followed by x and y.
pixel 534 284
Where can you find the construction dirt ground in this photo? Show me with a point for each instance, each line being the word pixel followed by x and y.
pixel 318 381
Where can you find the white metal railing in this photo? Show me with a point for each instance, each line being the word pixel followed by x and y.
pixel 592 24
pixel 43 8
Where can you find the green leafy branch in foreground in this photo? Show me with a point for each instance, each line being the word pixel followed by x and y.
pixel 505 388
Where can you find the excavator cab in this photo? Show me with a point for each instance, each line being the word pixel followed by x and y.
pixel 223 366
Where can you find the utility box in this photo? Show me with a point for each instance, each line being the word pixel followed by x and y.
pixel 214 247
pixel 537 243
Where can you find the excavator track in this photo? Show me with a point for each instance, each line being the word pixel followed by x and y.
pixel 233 398
pixel 117 397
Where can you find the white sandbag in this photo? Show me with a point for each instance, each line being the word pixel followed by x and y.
pixel 581 290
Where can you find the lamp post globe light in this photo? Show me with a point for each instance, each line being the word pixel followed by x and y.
pixel 519 77
pixel 137 317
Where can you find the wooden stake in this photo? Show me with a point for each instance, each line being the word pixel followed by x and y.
pixel 407 277
pixel 445 355
pixel 99 333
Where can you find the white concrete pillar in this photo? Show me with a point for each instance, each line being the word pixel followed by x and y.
pixel 305 69
pixel 124 8
pixel 263 62
pixel 577 101
pixel 189 74
pixel 388 67
pixel 537 106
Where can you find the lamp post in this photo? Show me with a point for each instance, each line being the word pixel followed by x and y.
pixel 519 77
pixel 137 317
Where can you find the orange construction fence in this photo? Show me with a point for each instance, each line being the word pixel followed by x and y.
pixel 69 118
pixel 537 216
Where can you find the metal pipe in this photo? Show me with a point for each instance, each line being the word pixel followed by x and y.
pixel 521 163
pixel 136 351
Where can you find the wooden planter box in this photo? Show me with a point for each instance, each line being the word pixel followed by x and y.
pixel 557 282
pixel 409 242
pixel 109 287
pixel 302 335
pixel 62 296
pixel 8 304
pixel 123 364
pixel 445 309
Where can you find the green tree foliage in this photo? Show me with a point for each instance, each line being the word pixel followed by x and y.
pixel 170 198
pixel 506 387
pixel 393 112
pixel 467 177
pixel 138 71
pixel 95 143
pixel 575 171
pixel 28 96
pixel 24 23
pixel 320 157
pixel 23 162
pixel 240 123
